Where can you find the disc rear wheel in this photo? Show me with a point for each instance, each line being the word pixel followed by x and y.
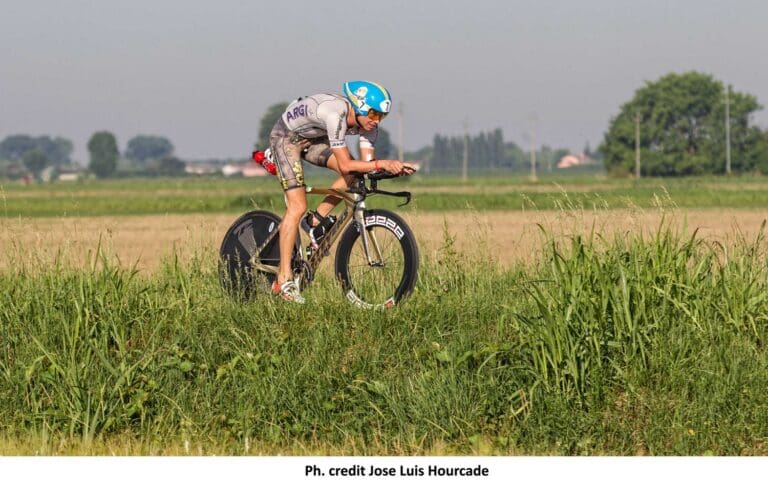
pixel 237 273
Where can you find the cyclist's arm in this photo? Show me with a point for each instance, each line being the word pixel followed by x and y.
pixel 346 164
pixel 389 165
pixel 334 117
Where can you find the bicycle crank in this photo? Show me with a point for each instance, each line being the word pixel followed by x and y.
pixel 303 271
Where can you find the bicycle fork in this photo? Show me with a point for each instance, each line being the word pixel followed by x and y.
pixel 368 238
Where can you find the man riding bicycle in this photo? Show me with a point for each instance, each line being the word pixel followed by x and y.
pixel 313 128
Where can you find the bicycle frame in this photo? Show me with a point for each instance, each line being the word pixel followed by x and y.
pixel 354 199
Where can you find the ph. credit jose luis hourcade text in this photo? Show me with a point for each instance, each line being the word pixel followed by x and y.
pixel 400 470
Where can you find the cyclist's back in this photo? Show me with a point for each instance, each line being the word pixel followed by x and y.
pixel 323 115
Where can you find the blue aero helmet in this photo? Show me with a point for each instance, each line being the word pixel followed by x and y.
pixel 365 95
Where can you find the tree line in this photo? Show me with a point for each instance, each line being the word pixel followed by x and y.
pixel 485 151
pixel 22 155
pixel 144 156
pixel 681 124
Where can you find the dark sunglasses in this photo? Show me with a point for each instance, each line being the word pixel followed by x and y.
pixel 375 115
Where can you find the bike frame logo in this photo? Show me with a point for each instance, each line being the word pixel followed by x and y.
pixel 379 220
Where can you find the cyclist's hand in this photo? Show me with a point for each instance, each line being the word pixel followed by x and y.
pixel 393 166
pixel 408 169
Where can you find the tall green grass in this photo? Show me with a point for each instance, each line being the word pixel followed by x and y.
pixel 636 344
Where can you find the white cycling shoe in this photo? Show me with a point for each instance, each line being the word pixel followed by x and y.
pixel 288 291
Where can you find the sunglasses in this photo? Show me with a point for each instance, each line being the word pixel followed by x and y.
pixel 375 115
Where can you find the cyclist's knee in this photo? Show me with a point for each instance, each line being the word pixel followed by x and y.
pixel 294 215
pixel 295 208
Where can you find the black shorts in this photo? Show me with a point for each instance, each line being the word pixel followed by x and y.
pixel 288 149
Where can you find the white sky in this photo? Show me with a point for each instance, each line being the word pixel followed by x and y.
pixel 203 73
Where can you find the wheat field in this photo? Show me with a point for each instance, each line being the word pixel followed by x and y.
pixel 144 241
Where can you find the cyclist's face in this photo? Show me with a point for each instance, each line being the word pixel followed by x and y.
pixel 376 115
pixel 371 120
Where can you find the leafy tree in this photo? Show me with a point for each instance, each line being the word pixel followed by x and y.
pixel 144 148
pixel 515 158
pixel 682 128
pixel 546 157
pixel 13 170
pixel 267 122
pixel 424 154
pixel 441 152
pixel 486 150
pixel 14 147
pixel 103 150
pixel 495 148
pixel 57 151
pixel 35 161
pixel 170 166
pixel 755 152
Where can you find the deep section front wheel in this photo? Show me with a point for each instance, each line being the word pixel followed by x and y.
pixel 385 272
pixel 238 250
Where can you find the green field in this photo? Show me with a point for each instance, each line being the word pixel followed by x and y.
pixel 642 345
pixel 191 195
pixel 630 344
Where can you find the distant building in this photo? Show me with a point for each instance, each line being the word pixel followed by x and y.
pixel 69 173
pixel 248 169
pixel 572 160
pixel 48 174
pixel 69 176
pixel 202 168
pixel 252 170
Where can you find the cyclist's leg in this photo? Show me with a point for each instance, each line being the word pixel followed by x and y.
pixel 341 183
pixel 287 149
pixel 296 206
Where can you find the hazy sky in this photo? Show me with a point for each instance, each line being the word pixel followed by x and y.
pixel 203 73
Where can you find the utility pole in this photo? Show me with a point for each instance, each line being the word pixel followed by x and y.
pixel 400 132
pixel 637 145
pixel 533 148
pixel 727 130
pixel 465 160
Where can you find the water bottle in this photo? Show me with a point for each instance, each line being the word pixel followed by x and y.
pixel 264 158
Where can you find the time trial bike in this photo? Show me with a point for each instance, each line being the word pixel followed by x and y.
pixel 376 261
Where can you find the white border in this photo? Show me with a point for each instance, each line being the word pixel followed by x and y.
pixel 280 469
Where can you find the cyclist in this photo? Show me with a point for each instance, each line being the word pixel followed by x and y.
pixel 313 128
